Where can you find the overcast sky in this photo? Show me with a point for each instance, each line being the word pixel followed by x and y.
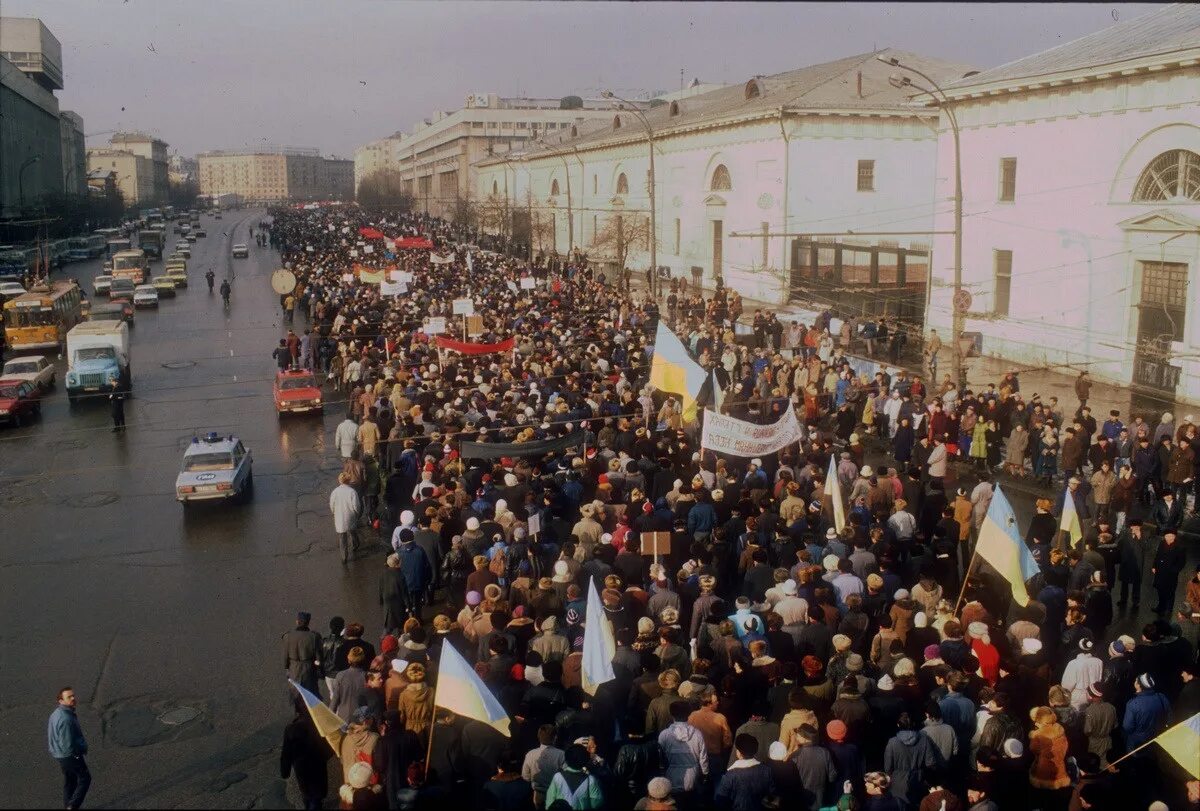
pixel 214 74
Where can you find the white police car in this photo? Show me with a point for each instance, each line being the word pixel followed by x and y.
pixel 215 467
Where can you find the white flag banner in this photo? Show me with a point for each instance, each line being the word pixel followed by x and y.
pixel 735 437
pixel 434 259
pixel 393 288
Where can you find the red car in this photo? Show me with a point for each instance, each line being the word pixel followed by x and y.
pixel 20 400
pixel 297 390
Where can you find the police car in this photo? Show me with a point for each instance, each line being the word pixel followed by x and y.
pixel 215 467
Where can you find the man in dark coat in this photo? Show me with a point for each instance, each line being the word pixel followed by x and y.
pixel 305 753
pixel 393 595
pixel 1168 563
pixel 748 781
pixel 302 653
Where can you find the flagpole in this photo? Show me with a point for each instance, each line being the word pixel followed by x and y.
pixel 966 579
pixel 429 747
pixel 1133 752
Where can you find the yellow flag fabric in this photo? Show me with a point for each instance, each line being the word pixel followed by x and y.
pixel 1000 545
pixel 673 370
pixel 460 690
pixel 328 724
pixel 834 488
pixel 1069 522
pixel 1182 742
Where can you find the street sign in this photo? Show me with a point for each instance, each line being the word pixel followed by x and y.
pixel 962 300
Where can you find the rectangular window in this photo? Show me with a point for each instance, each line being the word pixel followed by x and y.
pixel 766 228
pixel 1002 261
pixel 866 175
pixel 595 183
pixel 1008 180
pixel 677 234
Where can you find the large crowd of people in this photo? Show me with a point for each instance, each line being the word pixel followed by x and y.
pixel 764 658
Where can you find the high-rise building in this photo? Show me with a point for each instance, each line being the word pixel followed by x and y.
pixel 74 153
pixel 153 150
pixel 275 174
pixel 134 174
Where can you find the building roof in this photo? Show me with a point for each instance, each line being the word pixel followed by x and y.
pixel 1167 30
pixel 825 87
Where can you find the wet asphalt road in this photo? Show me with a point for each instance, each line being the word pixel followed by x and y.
pixel 107 587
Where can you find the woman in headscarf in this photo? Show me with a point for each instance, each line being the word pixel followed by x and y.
pixel 902 442
pixel 1014 455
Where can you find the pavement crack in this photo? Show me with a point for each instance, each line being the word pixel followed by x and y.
pixel 103 669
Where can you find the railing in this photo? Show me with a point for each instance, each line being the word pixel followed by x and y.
pixel 1156 374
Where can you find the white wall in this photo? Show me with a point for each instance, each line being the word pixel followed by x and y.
pixel 1075 277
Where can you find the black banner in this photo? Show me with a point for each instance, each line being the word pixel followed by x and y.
pixel 497 450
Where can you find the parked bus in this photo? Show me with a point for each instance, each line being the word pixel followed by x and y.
pixel 57 252
pixel 86 247
pixel 16 262
pixel 41 318
pixel 117 244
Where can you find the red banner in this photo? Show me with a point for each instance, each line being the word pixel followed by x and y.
pixel 371 233
pixel 413 242
pixel 476 349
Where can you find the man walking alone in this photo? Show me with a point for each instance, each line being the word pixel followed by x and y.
pixel 69 747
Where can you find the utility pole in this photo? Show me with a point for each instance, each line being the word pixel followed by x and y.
pixel 608 94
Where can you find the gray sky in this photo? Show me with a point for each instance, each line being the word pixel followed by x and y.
pixel 212 74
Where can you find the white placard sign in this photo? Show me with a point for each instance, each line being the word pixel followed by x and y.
pixel 354 252
pixel 345 229
pixel 464 306
pixel 347 277
pixel 309 248
pixel 435 326
pixel 390 244
pixel 392 288
pixel 725 434
pixel 369 249
pixel 528 282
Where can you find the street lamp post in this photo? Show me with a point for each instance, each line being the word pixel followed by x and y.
pixel 957 310
pixel 21 179
pixel 608 94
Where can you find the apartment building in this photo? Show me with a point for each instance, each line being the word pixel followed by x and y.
pixel 275 175
pixel 153 150
pixel 133 174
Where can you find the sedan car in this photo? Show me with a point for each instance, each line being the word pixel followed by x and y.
pixel 178 275
pixel 20 401
pixel 102 284
pixel 240 251
pixel 31 368
pixel 164 285
pixel 112 311
pixel 11 290
pixel 191 237
pixel 214 468
pixel 184 249
pixel 200 232
pixel 145 295
pixel 297 390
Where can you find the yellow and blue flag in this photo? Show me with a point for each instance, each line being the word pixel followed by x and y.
pixel 834 489
pixel 599 645
pixel 1069 522
pixel 460 690
pixel 673 370
pixel 1000 545
pixel 328 725
pixel 1182 742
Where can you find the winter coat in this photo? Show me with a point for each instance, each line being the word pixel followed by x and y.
pixel 1081 672
pixel 1018 445
pixel 905 759
pixel 1048 745
pixel 744 786
pixel 345 506
pixel 817 772
pixel 416 705
pixel 393 596
pixel 1145 715
pixel 685 755
pixel 416 568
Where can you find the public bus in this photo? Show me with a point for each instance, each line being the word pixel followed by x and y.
pixel 41 318
pixel 117 244
pixel 85 247
pixel 131 264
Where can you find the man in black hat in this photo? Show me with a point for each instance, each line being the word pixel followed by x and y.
pixel 302 653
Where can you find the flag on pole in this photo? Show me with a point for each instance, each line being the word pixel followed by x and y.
pixel 599 646
pixel 1182 742
pixel 470 264
pixel 674 370
pixel 718 394
pixel 834 488
pixel 1000 545
pixel 460 690
pixel 328 725
pixel 1069 522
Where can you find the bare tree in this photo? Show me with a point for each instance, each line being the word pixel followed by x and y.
pixel 465 212
pixel 620 235
pixel 384 188
pixel 492 214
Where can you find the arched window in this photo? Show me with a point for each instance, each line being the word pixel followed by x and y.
pixel 495 187
pixel 622 184
pixel 1171 177
pixel 554 188
pixel 754 89
pixel 721 181
pixel 616 122
pixel 674 109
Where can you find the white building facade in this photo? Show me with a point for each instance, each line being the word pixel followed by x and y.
pixel 756 185
pixel 1081 186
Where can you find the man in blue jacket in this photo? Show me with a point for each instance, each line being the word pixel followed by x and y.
pixel 417 569
pixel 1145 714
pixel 747 782
pixel 68 747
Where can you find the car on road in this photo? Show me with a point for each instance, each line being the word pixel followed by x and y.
pixel 11 290
pixel 215 467
pixel 178 275
pixel 240 251
pixel 200 233
pixel 164 285
pixel 184 249
pixel 296 391
pixel 34 369
pixel 216 215
pixel 121 289
pixel 20 400
pixel 112 311
pixel 102 284
pixel 145 295
pixel 191 237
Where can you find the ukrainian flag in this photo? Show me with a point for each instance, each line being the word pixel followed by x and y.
pixel 1182 742
pixel 460 690
pixel 834 489
pixel 673 370
pixel 326 720
pixel 1069 522
pixel 1000 545
pixel 599 645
